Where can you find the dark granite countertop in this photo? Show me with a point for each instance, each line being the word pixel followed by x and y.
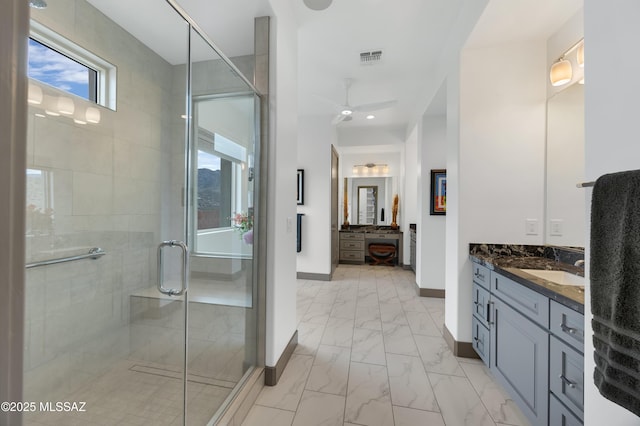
pixel 374 229
pixel 510 260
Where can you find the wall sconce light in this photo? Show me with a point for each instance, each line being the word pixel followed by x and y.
pixel 561 71
pixel 370 169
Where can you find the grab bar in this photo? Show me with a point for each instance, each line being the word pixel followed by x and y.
pixel 94 253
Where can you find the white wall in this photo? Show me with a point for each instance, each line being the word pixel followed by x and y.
pixel 281 206
pixel 432 154
pixel 496 173
pixel 410 190
pixel 315 136
pixel 612 32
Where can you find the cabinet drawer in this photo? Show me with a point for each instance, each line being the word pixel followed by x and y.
pixel 352 255
pixel 481 275
pixel 566 375
pixel 481 341
pixel 351 236
pixel 352 245
pixel 373 236
pixel 528 302
pixel 561 415
pixel 567 324
pixel 481 304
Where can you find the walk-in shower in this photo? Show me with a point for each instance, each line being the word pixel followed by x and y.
pixel 142 190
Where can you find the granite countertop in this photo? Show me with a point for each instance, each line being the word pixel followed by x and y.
pixel 511 262
pixel 374 229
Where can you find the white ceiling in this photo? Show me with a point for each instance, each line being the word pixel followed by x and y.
pixel 411 34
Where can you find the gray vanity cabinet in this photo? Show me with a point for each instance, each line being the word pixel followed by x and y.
pixel 519 360
pixel 532 345
pixel 481 311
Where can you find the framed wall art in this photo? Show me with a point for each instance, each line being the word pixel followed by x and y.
pixel 300 187
pixel 438 192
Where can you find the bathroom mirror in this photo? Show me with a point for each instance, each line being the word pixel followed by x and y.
pixel 565 203
pixel 384 191
pixel 367 205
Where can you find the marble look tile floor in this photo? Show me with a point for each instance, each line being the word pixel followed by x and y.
pixel 371 352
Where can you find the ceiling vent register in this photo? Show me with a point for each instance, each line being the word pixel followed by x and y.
pixel 368 58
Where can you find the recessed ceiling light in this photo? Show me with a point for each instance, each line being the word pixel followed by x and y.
pixel 370 117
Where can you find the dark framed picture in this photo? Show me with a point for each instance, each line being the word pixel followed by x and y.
pixel 438 192
pixel 300 187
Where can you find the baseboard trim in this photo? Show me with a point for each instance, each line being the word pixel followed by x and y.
pixel 406 267
pixel 430 292
pixel 311 276
pixel 272 374
pixel 461 349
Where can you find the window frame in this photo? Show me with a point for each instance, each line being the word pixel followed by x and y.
pixel 106 73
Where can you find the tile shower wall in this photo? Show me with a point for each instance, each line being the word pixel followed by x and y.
pixel 101 185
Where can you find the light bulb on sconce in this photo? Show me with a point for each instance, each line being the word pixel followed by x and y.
pixel 370 169
pixel 561 72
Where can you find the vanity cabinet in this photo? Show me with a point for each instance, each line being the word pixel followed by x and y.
pixel 532 344
pixel 519 359
pixel 481 311
pixel 412 250
pixel 351 247
pixel 566 359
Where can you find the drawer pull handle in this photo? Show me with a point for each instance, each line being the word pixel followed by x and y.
pixel 567 382
pixel 479 275
pixel 569 330
pixel 481 342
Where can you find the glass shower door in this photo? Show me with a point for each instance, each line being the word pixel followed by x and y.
pixel 222 308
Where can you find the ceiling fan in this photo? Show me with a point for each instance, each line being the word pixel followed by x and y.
pixel 347 110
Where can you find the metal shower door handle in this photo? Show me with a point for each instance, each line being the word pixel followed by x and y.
pixel 185 268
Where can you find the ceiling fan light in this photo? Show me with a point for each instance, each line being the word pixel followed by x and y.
pixel 317 4
pixel 561 73
pixel 346 111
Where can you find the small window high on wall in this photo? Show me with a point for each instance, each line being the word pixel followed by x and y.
pixel 60 63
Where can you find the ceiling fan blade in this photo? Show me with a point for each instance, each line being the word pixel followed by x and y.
pixel 375 106
pixel 338 119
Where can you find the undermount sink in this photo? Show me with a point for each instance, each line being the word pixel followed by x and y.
pixel 558 277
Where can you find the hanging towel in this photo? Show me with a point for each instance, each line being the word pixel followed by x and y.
pixel 615 287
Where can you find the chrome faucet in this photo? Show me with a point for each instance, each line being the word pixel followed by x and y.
pixel 579 263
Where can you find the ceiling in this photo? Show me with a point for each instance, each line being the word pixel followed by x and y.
pixel 410 33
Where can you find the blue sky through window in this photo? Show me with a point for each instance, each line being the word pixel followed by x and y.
pixel 54 68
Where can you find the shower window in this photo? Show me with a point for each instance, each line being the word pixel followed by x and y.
pixel 62 64
pixel 220 165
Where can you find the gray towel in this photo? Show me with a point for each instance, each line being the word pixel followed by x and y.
pixel 615 287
